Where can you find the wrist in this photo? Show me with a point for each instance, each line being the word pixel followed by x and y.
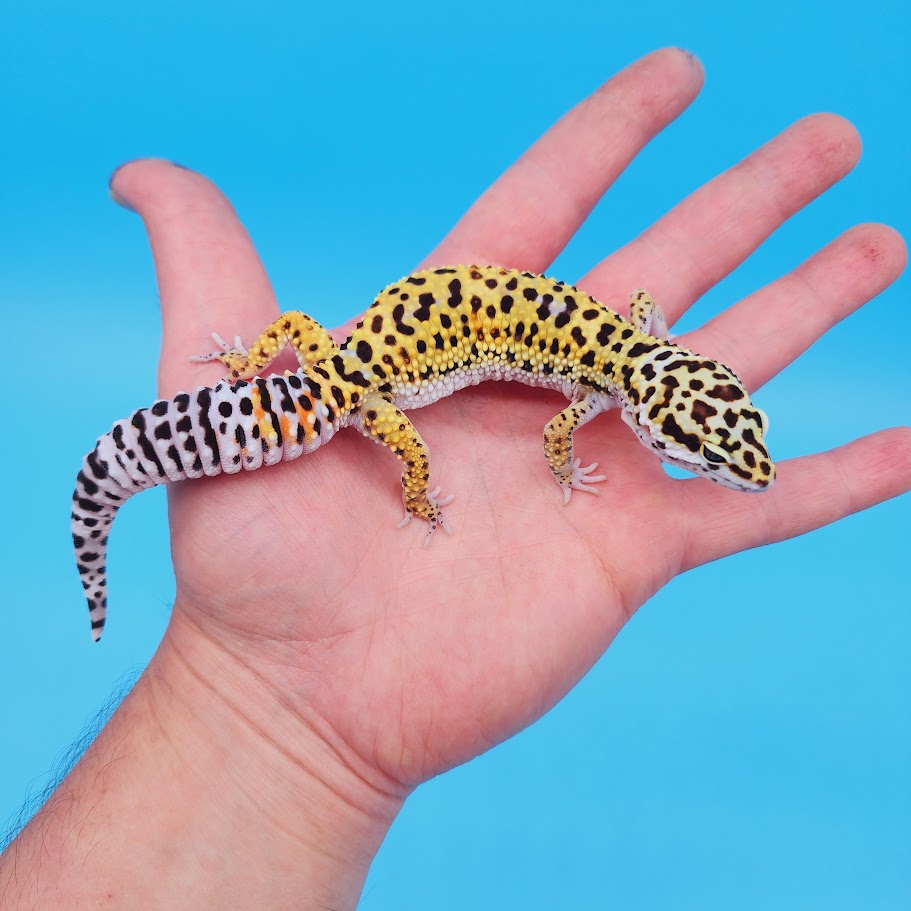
pixel 314 813
pixel 204 790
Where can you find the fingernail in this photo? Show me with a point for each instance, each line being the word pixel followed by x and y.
pixel 688 54
pixel 122 201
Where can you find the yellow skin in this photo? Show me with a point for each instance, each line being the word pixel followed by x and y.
pixel 318 667
pixel 423 338
pixel 437 331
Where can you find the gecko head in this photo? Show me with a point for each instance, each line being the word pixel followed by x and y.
pixel 695 413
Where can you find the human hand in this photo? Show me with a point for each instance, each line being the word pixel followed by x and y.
pixel 411 659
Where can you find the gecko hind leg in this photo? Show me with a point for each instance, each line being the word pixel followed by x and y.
pixel 558 443
pixel 379 420
pixel 310 341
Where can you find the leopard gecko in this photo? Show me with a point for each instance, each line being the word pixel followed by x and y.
pixel 423 338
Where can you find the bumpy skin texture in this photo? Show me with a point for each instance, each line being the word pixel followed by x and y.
pixel 423 338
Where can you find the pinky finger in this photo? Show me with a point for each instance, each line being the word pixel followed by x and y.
pixel 810 492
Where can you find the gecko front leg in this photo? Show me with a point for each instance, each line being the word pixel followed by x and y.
pixel 558 443
pixel 647 316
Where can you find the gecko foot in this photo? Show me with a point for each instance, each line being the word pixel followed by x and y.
pixel 234 357
pixel 237 349
pixel 581 479
pixel 434 517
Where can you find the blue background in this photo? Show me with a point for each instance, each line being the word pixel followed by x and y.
pixel 747 740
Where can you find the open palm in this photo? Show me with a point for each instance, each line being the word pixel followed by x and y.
pixel 417 658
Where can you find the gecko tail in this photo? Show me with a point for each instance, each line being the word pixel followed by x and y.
pixel 136 454
pixel 96 499
pixel 221 429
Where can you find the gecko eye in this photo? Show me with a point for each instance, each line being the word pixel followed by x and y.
pixel 763 421
pixel 713 453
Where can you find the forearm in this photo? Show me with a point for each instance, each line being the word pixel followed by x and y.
pixel 184 800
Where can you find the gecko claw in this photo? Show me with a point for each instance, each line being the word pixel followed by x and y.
pixel 436 518
pixel 237 349
pixel 581 479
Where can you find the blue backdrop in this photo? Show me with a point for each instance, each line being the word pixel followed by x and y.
pixel 750 749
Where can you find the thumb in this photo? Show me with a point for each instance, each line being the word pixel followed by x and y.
pixel 209 274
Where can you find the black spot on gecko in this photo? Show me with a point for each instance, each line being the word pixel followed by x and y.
pixel 422 313
pixel 455 293
pixel 702 411
pixel 604 333
pixel 285 402
pixel 641 348
pixel 90 487
pixel 750 438
pixel 672 429
pixel 364 350
pixel 727 392
pixel 94 464
pixel 139 422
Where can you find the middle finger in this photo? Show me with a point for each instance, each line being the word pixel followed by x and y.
pixel 714 229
